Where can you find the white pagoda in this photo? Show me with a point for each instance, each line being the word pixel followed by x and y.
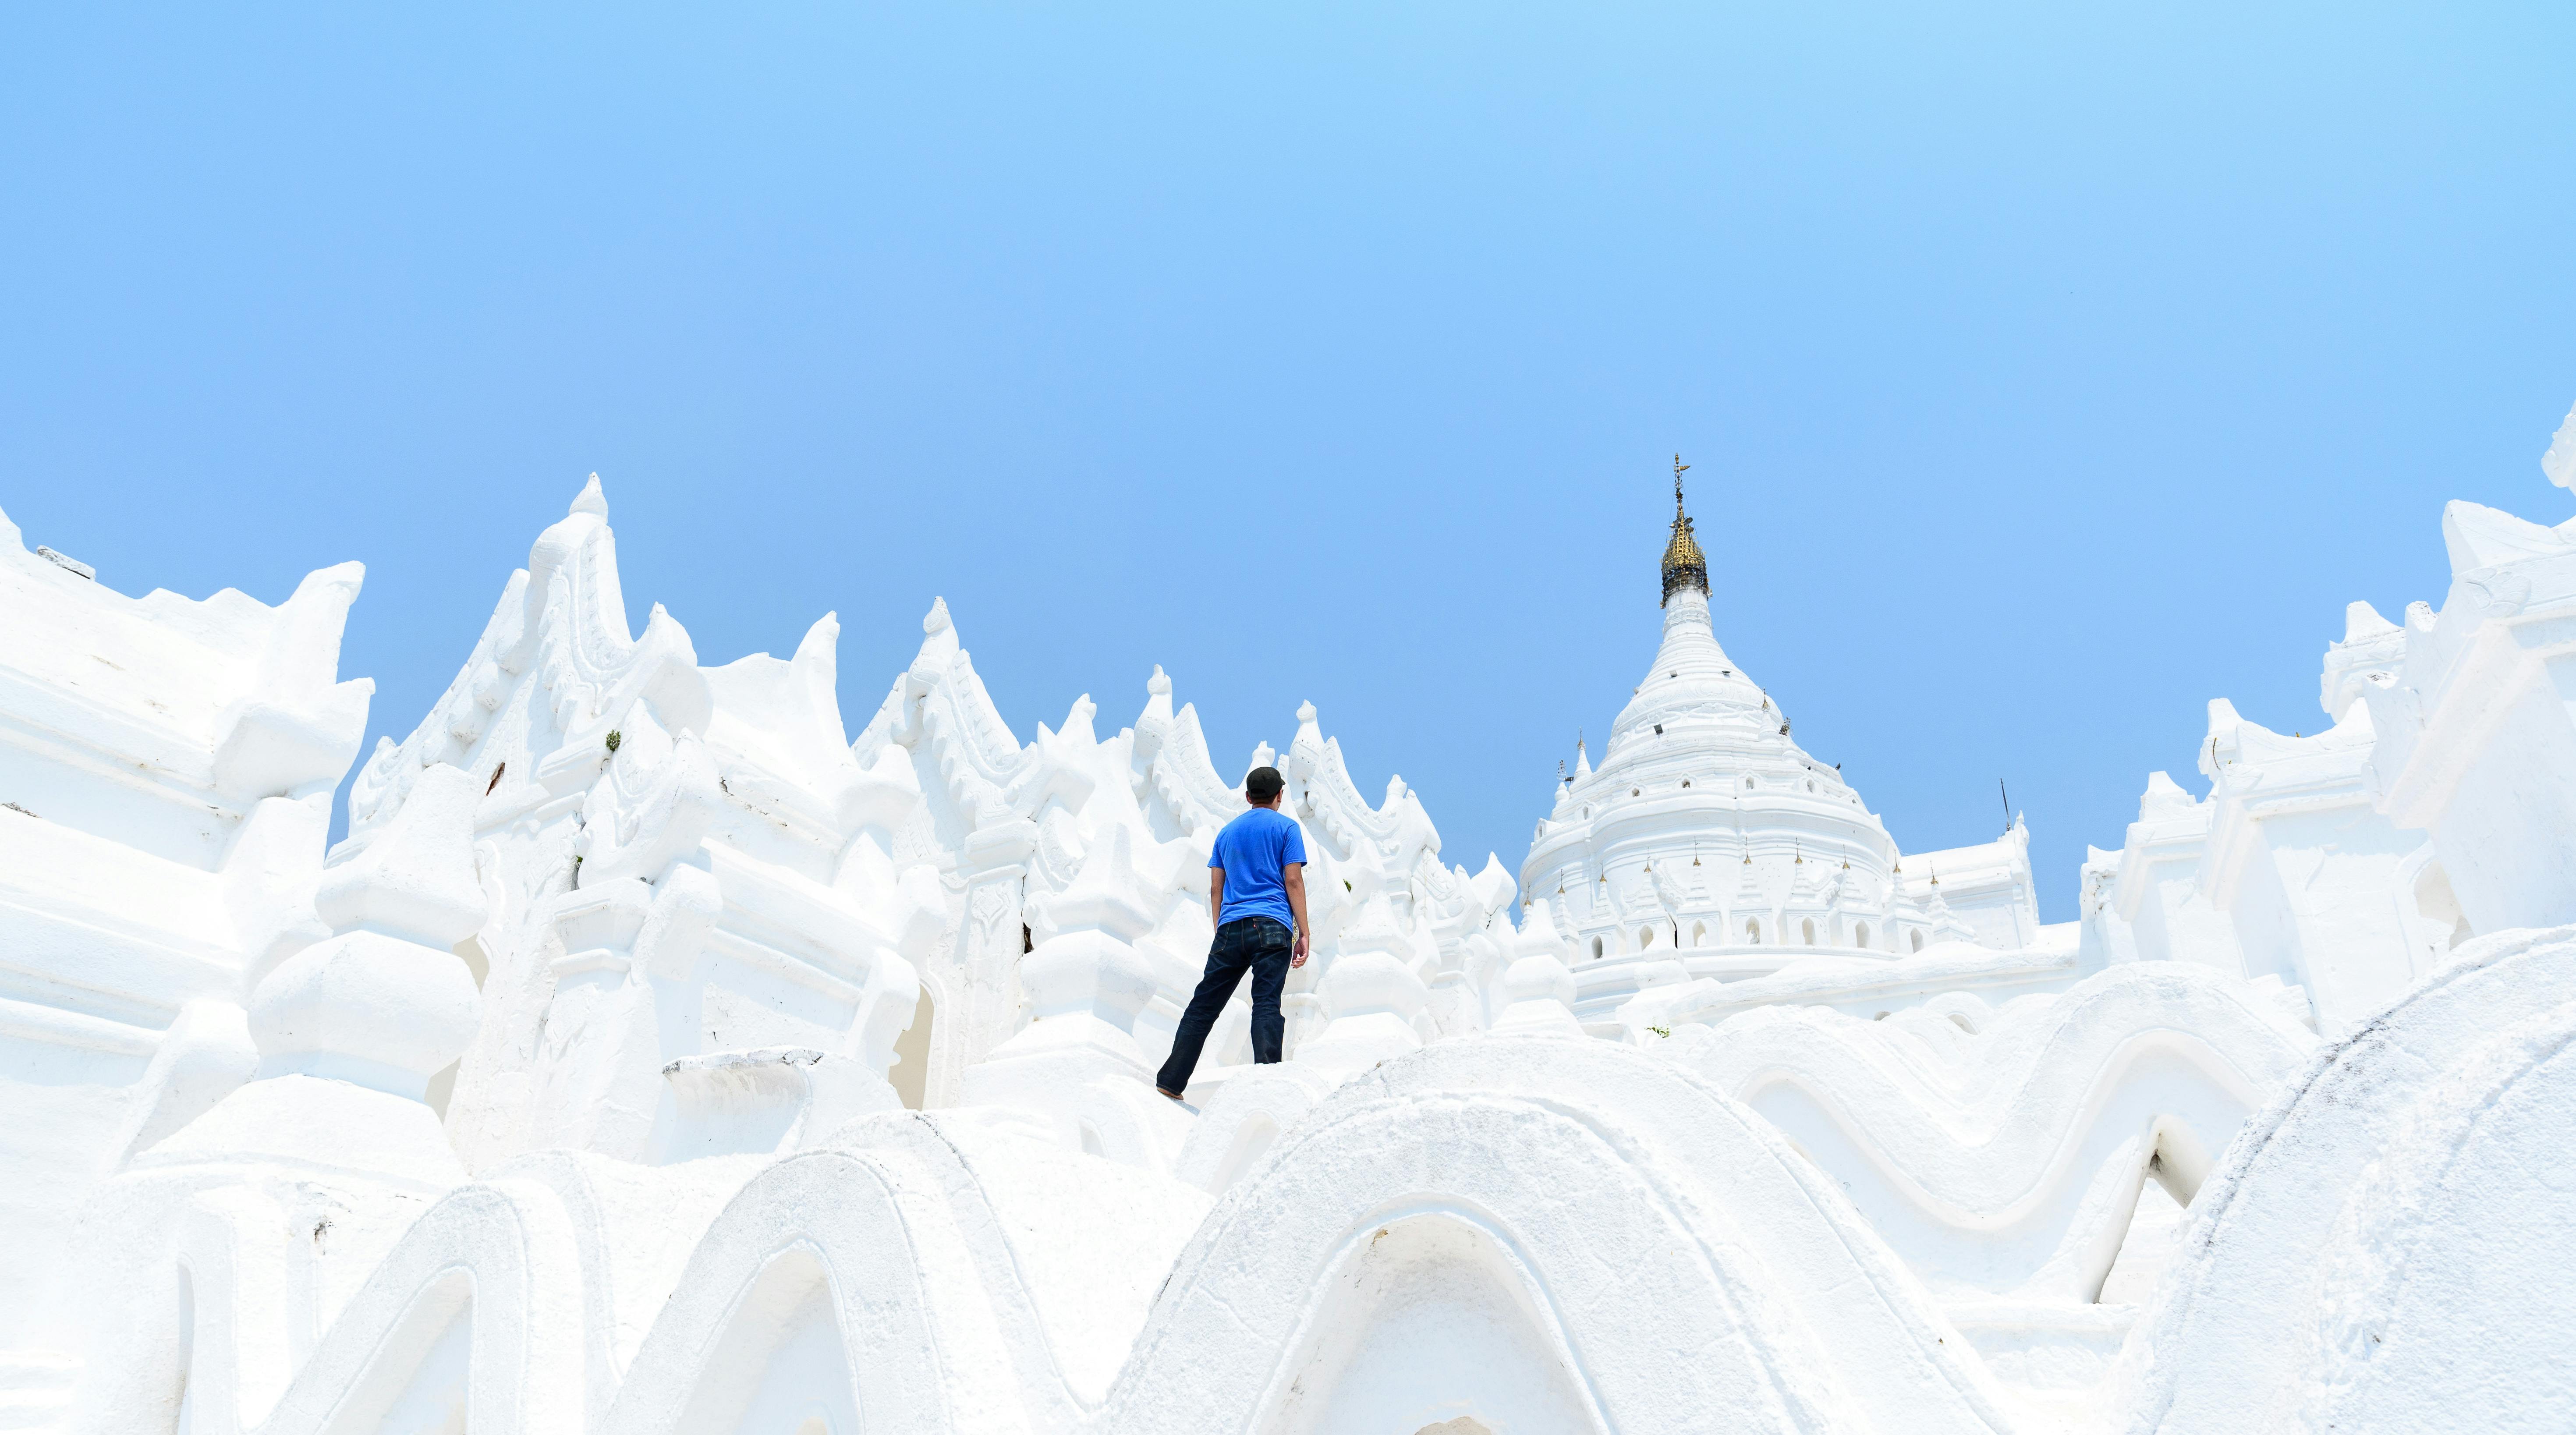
pixel 1708 844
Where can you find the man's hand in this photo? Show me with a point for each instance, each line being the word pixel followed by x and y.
pixel 1293 877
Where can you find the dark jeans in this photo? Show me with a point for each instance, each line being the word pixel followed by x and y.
pixel 1256 944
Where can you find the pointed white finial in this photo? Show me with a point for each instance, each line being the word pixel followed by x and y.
pixel 590 500
pixel 2360 620
pixel 936 620
pixel 1158 684
pixel 1305 712
pixel 2560 461
pixel 2163 794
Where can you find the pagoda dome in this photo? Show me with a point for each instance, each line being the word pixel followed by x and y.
pixel 1700 769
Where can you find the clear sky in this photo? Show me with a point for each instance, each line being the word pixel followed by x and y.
pixel 2047 369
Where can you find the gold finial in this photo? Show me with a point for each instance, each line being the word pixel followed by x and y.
pixel 1684 565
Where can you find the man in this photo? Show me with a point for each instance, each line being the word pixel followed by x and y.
pixel 1257 894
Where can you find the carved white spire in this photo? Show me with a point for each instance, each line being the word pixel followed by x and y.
pixel 351 1028
pixel 1539 986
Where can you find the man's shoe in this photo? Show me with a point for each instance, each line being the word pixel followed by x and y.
pixel 1174 1095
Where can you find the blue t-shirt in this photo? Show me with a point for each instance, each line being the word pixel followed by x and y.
pixel 1254 850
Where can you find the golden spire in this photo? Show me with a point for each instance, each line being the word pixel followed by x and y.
pixel 1684 565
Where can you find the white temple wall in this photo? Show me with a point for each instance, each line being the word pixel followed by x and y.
pixel 166 766
pixel 2318 901
pixel 2312 876
pixel 2156 890
pixel 2477 743
pixel 1987 887
pixel 1998 1147
pixel 2104 938
pixel 2288 871
pixel 2502 822
pixel 2174 922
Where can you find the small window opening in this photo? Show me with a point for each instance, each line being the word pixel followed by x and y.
pixel 1807 930
pixel 1596 949
pixel 1753 933
pixel 1918 941
pixel 1645 938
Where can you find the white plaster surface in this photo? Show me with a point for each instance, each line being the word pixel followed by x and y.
pixel 656 1055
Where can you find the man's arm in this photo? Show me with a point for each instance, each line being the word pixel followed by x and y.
pixel 1293 877
pixel 1216 896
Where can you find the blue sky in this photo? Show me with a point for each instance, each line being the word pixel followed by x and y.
pixel 2047 370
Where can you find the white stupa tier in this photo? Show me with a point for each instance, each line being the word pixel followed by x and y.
pixel 1708 844
pixel 655 1055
